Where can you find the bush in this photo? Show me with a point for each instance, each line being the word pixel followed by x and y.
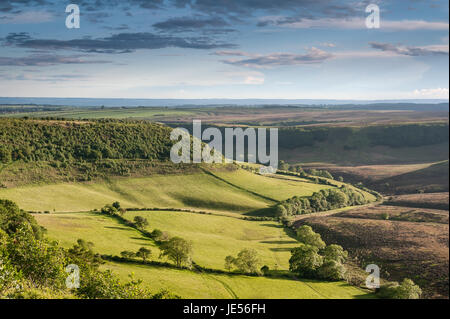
pixel 307 236
pixel 331 270
pixel 406 290
pixel 247 261
pixel 305 260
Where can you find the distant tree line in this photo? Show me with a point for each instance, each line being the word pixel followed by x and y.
pixel 359 137
pixel 323 200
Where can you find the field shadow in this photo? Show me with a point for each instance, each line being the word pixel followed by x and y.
pixel 291 233
pixel 116 227
pixel 272 225
pixel 141 238
pixel 278 242
pixel 277 249
pixel 211 204
pixel 263 212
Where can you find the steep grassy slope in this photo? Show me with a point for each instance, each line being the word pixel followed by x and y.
pixel 177 191
pixel 269 187
pixel 233 191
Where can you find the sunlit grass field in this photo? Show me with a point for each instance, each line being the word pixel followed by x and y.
pixel 171 191
pixel 111 113
pixel 110 237
pixel 188 284
pixel 215 237
pixel 232 192
pixel 270 187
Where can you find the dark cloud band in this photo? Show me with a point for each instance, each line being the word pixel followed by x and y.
pixel 117 43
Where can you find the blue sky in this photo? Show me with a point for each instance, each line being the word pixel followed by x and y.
pixel 294 49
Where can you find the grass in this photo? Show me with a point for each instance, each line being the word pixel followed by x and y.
pixel 215 237
pixel 188 284
pixel 171 191
pixel 108 236
pixel 237 192
pixel 270 187
pixel 153 113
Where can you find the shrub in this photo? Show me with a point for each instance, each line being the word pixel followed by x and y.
pixel 406 290
pixel 307 236
pixel 305 260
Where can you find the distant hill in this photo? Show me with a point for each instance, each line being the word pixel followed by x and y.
pixel 65 141
pixel 430 179
pixel 97 102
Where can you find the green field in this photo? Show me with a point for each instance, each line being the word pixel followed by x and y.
pixel 215 237
pixel 188 284
pixel 153 113
pixel 171 191
pixel 234 192
pixel 110 237
pixel 270 187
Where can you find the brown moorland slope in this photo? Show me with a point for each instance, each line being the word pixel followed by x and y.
pixel 411 243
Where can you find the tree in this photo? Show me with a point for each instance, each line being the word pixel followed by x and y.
pixel 247 261
pixel 307 236
pixel 12 218
pixel 116 205
pixel 122 211
pixel 305 260
pixel 127 254
pixel 140 222
pixel 283 165
pixel 109 209
pixel 83 252
pixel 178 250
pixel 229 262
pixel 331 270
pixel 156 234
pixel 336 198
pixel 407 290
pixel 143 253
pixel 280 211
pixel 265 269
pixel 5 155
pixel 335 253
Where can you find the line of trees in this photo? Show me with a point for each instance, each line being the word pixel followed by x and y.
pixel 176 249
pixel 325 199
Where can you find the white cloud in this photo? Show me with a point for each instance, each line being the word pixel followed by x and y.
pixel 438 93
pixel 312 56
pixel 26 17
pixel 356 23
pixel 411 50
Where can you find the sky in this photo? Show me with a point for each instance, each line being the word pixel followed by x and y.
pixel 194 49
